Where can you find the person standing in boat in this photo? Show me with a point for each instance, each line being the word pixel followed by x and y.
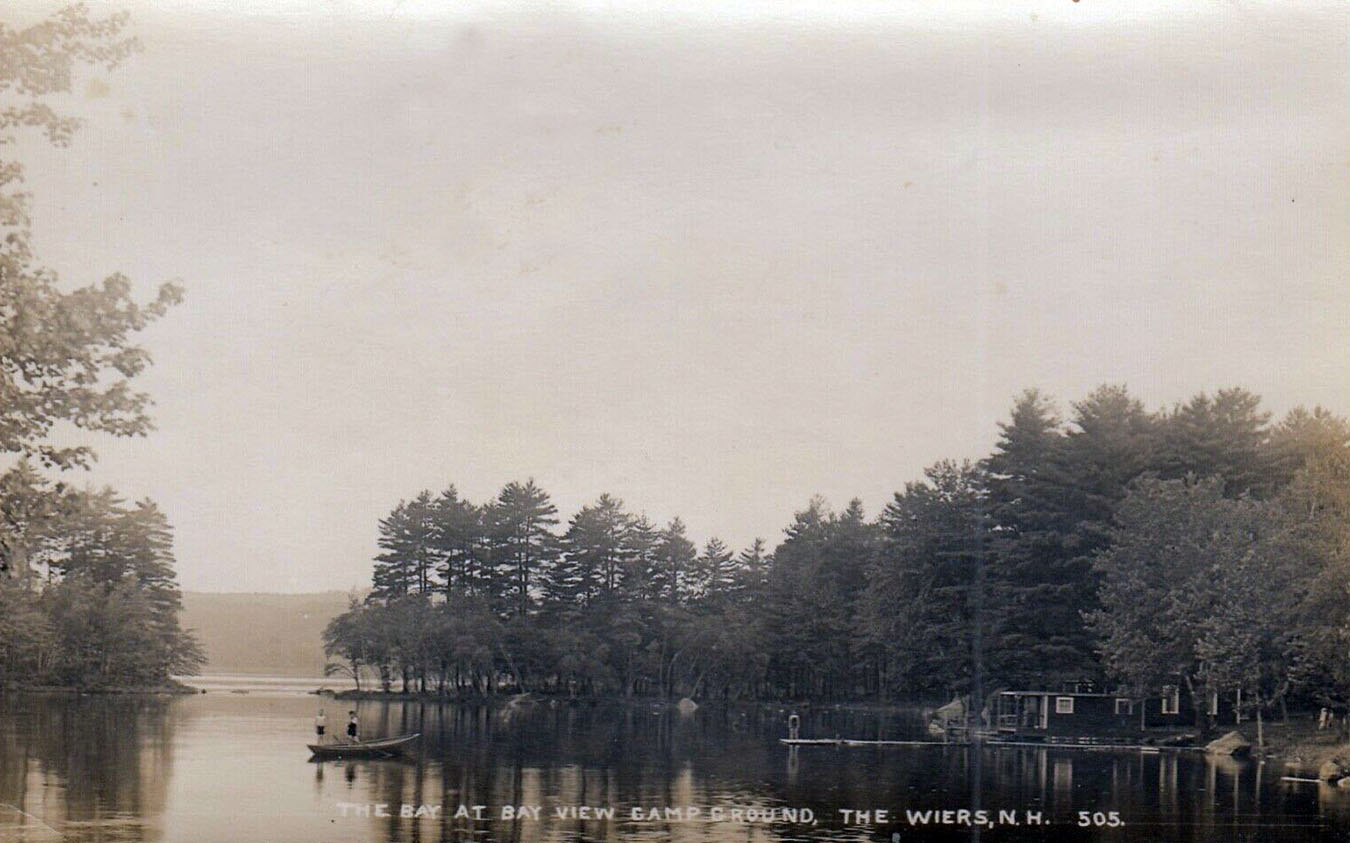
pixel 353 726
pixel 320 724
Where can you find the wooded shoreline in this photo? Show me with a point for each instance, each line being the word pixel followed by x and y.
pixel 173 688
pixel 1192 554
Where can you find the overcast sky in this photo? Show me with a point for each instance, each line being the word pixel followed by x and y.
pixel 710 260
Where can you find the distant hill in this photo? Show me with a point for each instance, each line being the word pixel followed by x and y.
pixel 276 634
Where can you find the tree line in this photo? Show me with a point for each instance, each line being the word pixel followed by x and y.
pixel 96 602
pixel 465 594
pixel 88 595
pixel 1198 545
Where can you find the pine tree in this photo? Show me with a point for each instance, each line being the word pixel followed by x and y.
pixel 30 508
pixel 812 606
pixel 1224 436
pixel 594 555
pixel 673 557
pixel 921 608
pixel 1031 525
pixel 713 574
pixel 1053 492
pixel 752 570
pixel 639 553
pixel 524 545
pixel 458 544
pixel 1111 442
pixel 112 598
pixel 410 548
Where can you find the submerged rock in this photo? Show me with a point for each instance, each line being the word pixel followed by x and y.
pixel 1233 744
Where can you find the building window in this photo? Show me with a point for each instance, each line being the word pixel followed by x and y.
pixel 1171 699
pixel 1124 706
pixel 1064 705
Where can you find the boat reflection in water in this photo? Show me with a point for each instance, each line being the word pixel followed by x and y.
pixel 233 767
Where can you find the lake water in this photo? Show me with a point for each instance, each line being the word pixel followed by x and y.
pixel 226 766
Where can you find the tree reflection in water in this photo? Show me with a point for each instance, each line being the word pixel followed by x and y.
pixel 90 767
pixel 99 769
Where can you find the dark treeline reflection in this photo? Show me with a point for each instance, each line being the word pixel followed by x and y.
pixel 85 764
pixel 633 756
pixel 234 767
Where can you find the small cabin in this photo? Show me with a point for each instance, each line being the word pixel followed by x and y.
pixel 1174 707
pixel 1041 712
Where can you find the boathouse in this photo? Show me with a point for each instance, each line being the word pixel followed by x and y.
pixel 1080 710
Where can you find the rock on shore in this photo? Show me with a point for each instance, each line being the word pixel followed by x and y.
pixel 1232 744
pixel 1332 770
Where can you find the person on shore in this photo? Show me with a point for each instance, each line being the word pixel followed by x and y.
pixel 320 725
pixel 353 727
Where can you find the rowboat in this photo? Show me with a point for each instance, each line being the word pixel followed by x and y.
pixel 363 749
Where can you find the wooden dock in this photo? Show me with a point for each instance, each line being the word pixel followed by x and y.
pixel 1098 747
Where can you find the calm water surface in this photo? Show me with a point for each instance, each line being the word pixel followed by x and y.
pixel 225 766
